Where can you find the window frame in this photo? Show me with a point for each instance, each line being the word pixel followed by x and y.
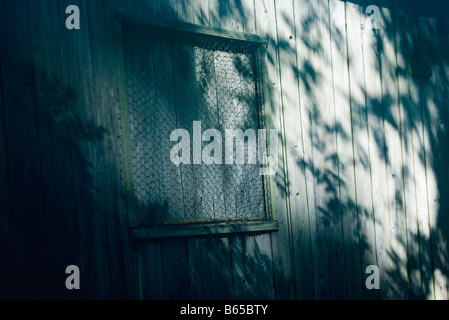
pixel 189 228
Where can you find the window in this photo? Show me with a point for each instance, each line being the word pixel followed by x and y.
pixel 191 78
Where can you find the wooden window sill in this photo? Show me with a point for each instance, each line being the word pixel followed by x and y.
pixel 189 230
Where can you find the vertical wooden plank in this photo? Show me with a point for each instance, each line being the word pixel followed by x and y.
pixel 307 274
pixel 384 228
pixel 86 155
pixel 360 140
pixel 245 10
pixel 8 282
pixel 7 250
pixel 303 16
pixel 213 14
pixel 150 270
pixel 125 159
pixel 186 10
pixel 436 120
pixel 120 253
pixel 404 44
pixel 376 137
pixel 237 244
pixel 252 267
pixel 236 15
pixel 443 81
pixel 199 271
pixel 418 232
pixel 321 160
pixel 384 39
pixel 326 168
pixel 410 124
pixel 200 11
pixel 129 254
pixel 430 117
pixel 261 267
pixel 175 269
pixel 53 103
pixel 266 26
pixel 295 219
pixel 343 128
pixel 140 7
pixel 420 145
pixel 220 268
pixel 28 216
pixel 220 15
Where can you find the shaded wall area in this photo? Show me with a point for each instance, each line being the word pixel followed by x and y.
pixel 362 180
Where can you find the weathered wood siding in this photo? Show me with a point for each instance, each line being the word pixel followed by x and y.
pixel 362 179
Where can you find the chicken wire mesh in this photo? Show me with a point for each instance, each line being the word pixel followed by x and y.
pixel 170 83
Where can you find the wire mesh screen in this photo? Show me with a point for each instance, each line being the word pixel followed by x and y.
pixel 172 82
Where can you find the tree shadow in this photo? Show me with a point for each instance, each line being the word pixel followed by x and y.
pixel 415 252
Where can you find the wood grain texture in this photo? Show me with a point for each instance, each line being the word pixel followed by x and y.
pixel 436 119
pixel 53 101
pixel 362 173
pixel 343 129
pixel 28 220
pixel 384 227
pixel 409 102
pixel 267 25
pixel 360 138
pixel 7 251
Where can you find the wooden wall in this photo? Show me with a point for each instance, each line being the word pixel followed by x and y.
pixel 362 177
